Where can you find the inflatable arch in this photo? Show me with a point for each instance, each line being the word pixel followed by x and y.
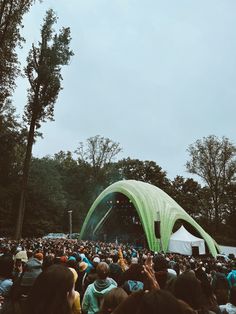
pixel 151 204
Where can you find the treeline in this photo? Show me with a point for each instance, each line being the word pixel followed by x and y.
pixel 72 181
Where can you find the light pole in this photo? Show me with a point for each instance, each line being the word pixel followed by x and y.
pixel 70 223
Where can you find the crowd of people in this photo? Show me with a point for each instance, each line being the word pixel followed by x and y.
pixel 64 276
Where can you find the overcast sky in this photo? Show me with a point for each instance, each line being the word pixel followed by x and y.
pixel 153 75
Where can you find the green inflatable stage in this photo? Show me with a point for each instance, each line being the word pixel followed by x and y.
pixel 152 204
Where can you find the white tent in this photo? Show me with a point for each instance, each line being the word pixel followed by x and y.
pixel 182 242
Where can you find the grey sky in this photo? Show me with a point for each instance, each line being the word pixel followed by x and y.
pixel 152 75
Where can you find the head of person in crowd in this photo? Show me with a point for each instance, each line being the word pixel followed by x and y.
pixel 83 267
pixel 48 260
pixel 112 299
pixel 160 263
pixel 53 292
pixel 63 259
pixel 71 262
pixel 22 255
pixel 39 256
pixel 151 302
pixel 96 261
pixel 188 289
pixel 102 270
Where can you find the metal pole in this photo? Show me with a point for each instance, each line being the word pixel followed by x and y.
pixel 70 223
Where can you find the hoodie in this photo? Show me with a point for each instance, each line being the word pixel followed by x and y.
pixel 232 278
pixel 95 293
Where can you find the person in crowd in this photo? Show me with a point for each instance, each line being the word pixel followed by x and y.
pixel 76 307
pixel 188 289
pixel 92 275
pixel 164 276
pixel 230 307
pixel 82 274
pixel 232 276
pixel 6 269
pixel 115 269
pixel 52 292
pixel 132 279
pixel 96 291
pixel 220 286
pixel 32 269
pixel 209 300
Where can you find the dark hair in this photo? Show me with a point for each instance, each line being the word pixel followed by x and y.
pixel 47 261
pixel 112 299
pixel 115 258
pixel 159 301
pixel 160 263
pixel 188 289
pixel 102 270
pixel 135 272
pixel 50 291
pixel 6 266
pixel 232 295
pixel 152 302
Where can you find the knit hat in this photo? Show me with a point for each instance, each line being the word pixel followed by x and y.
pixel 83 266
pixel 39 256
pixel 22 255
pixel 71 258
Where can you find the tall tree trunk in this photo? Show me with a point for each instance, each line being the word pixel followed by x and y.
pixel 25 176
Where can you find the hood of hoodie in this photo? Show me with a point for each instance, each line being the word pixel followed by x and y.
pixel 33 263
pixel 102 286
pixel 32 269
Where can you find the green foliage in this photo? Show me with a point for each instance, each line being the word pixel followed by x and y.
pixel 11 14
pixel 98 151
pixel 147 171
pixel 12 144
pixel 213 159
pixel 43 70
pixel 186 193
pixel 46 199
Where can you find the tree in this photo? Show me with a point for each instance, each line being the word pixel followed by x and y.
pixel 11 14
pixel 186 193
pixel 97 154
pixel 213 160
pixel 98 151
pixel 78 186
pixel 46 198
pixel 43 71
pixel 12 144
pixel 146 171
